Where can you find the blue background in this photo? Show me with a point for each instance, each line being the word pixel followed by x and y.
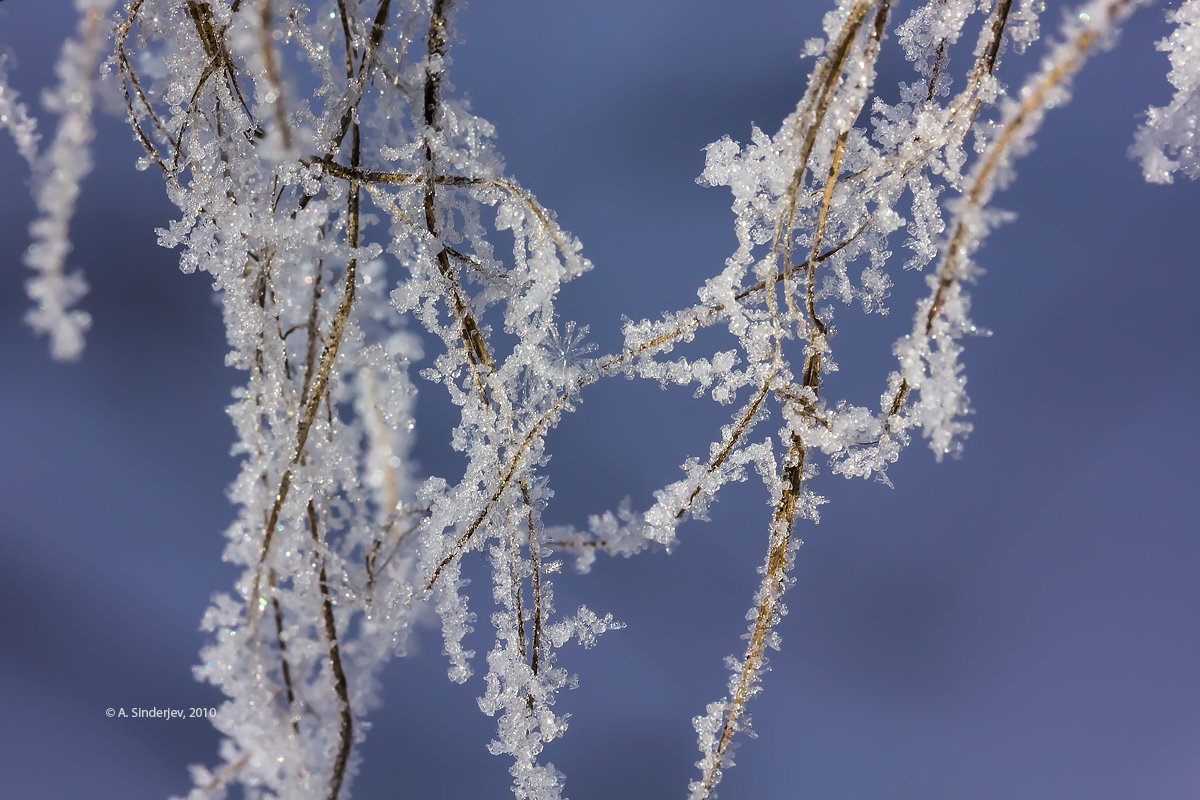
pixel 1019 623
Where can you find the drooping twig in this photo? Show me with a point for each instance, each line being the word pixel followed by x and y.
pixel 1024 116
pixel 779 551
pixel 345 718
pixel 320 382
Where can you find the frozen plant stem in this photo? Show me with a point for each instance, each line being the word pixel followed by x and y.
pixel 59 172
pixel 334 225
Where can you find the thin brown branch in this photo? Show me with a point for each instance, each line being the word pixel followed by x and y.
pixel 314 331
pixel 213 41
pixel 340 685
pixel 514 563
pixel 503 484
pixel 810 282
pixel 474 345
pixel 986 62
pixel 939 61
pixel 1033 98
pixel 968 100
pixel 536 580
pixel 346 39
pixel 281 642
pixel 197 93
pixel 775 571
pixel 769 594
pixel 744 423
pixel 981 187
pixel 541 213
pixel 357 82
pixel 373 565
pixel 378 28
pixel 120 38
pixel 535 557
pixel 751 409
pixel 317 389
pixel 219 780
pixel 409 178
pixel 832 70
pixel 332 167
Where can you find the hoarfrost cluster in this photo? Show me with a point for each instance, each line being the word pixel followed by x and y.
pixel 340 198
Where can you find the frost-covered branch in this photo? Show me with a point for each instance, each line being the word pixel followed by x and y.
pixel 1167 141
pixel 356 220
pixel 58 173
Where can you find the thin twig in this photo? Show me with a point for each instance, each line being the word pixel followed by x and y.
pixel 285 667
pixel 317 390
pixel 949 273
pixel 340 686
pixel 778 562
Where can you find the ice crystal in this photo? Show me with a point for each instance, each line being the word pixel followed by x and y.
pixel 567 352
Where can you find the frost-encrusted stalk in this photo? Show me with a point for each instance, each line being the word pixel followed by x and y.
pixel 15 118
pixel 811 116
pixel 285 666
pixel 58 173
pixel 131 83
pixel 315 390
pixel 725 719
pixel 473 343
pixel 1169 140
pixel 929 356
pixel 334 533
pixel 345 716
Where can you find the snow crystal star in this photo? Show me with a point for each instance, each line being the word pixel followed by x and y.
pixel 569 351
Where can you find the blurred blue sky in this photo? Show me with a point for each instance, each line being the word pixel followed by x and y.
pixel 1018 623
